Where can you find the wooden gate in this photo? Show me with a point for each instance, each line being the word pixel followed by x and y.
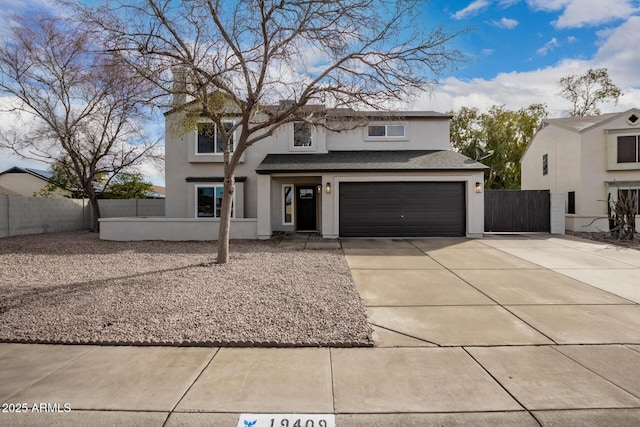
pixel 517 211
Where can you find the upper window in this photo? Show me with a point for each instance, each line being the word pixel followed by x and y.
pixel 545 164
pixel 386 131
pixel 209 201
pixel 210 140
pixel 628 149
pixel 302 134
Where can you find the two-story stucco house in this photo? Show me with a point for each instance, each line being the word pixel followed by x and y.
pixel 393 175
pixel 587 158
pixel 353 174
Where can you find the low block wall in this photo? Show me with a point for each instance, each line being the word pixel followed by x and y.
pixel 173 229
pixel 34 215
pixel 21 215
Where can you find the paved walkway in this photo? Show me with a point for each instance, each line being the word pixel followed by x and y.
pixel 506 330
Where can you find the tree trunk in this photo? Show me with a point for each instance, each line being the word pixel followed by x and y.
pixel 95 209
pixel 225 218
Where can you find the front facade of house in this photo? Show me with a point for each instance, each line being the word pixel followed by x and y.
pixel 588 158
pixel 392 175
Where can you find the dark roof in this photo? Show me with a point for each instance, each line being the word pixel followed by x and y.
pixel 369 161
pixel 39 173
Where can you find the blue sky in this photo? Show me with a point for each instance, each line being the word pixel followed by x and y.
pixel 517 50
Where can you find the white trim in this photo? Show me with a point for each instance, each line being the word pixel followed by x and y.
pixel 292 136
pixel 293 195
pixel 404 137
pixel 214 186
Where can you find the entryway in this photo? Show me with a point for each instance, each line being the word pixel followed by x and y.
pixel 306 208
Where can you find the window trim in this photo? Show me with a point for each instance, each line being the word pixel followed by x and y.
pixel 215 137
pixel 284 208
pixel 214 186
pixel 292 138
pixel 386 136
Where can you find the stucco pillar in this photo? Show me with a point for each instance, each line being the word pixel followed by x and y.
pixel 475 206
pixel 557 213
pixel 264 206
pixel 329 220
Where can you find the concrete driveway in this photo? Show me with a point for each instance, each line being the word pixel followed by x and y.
pixel 506 330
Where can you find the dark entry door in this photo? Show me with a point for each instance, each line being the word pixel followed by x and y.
pixel 306 208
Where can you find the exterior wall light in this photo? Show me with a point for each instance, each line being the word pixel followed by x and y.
pixel 478 187
pixel 328 188
pixel 319 188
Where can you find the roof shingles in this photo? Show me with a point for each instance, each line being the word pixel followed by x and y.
pixel 368 161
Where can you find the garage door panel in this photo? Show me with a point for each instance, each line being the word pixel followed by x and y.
pixel 390 209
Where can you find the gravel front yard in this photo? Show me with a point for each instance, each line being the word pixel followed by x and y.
pixel 73 287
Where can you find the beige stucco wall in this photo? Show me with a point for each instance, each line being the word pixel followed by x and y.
pixel 577 162
pixel 564 150
pixel 26 184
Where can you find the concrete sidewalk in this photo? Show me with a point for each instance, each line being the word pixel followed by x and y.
pixel 506 330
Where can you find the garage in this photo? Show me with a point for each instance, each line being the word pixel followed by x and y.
pixel 402 209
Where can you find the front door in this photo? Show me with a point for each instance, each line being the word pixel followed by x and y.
pixel 306 208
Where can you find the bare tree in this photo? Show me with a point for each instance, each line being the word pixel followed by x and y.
pixel 86 105
pixel 236 56
pixel 586 91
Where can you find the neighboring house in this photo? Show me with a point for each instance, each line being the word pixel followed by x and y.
pixel 7 192
pixel 588 158
pixel 27 181
pixel 157 192
pixel 394 174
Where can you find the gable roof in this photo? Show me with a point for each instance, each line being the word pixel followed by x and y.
pixel 369 161
pixel 38 173
pixel 583 124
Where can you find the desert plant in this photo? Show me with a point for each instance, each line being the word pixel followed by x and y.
pixel 622 214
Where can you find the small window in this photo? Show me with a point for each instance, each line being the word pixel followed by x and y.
pixel 545 164
pixel 628 149
pixel 301 134
pixel 386 131
pixel 571 206
pixel 287 204
pixel 209 201
pixel 210 140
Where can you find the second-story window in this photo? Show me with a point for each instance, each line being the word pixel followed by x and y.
pixel 383 131
pixel 629 149
pixel 302 134
pixel 210 140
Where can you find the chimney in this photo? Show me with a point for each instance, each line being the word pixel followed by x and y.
pixel 179 87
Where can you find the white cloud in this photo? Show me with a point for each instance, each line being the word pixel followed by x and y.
pixel 517 90
pixel 580 13
pixel 548 46
pixel 618 53
pixel 571 39
pixel 472 9
pixel 507 23
pixel 507 3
